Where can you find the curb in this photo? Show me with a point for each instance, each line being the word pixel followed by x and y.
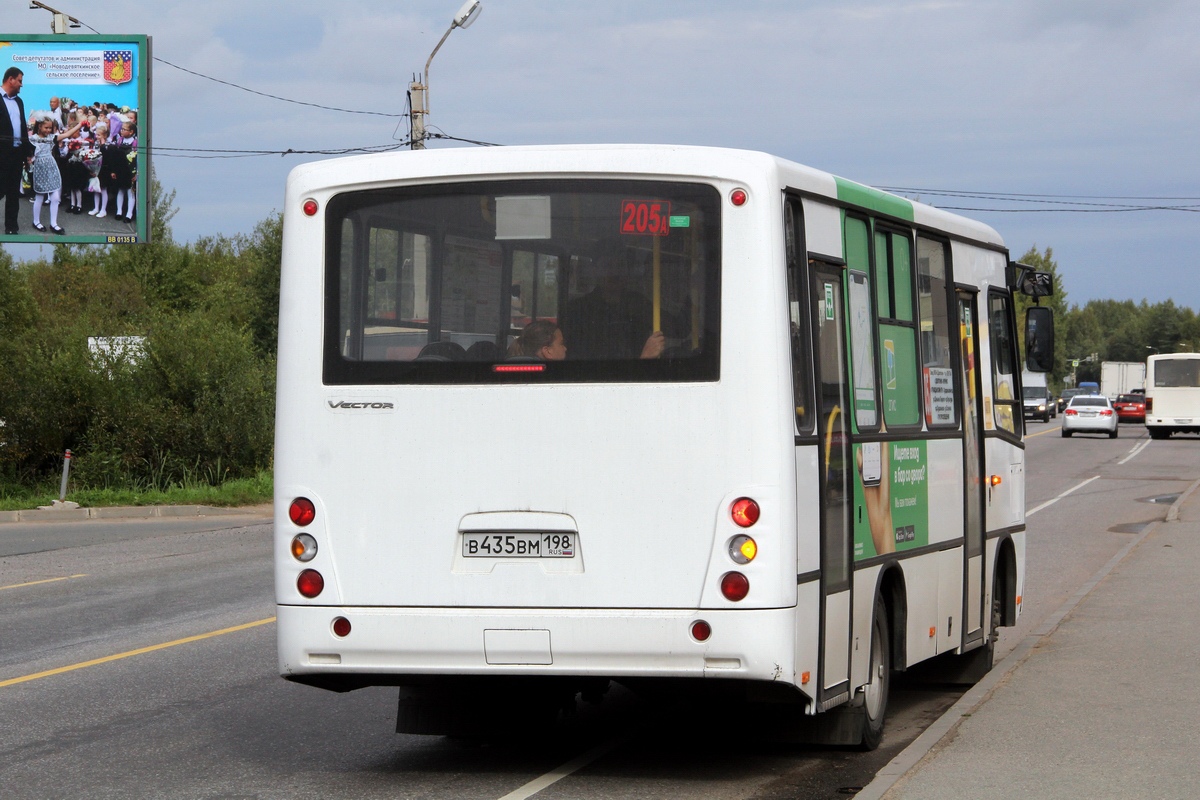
pixel 944 727
pixel 131 512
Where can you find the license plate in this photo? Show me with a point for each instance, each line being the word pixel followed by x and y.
pixel 518 545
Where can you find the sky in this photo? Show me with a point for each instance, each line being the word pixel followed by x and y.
pixel 1082 108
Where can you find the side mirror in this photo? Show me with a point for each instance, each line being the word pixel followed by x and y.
pixel 1039 339
pixel 1028 281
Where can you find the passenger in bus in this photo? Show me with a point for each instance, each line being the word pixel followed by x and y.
pixel 541 339
pixel 613 320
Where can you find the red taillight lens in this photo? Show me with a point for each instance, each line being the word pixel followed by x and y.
pixel 1106 412
pixel 745 512
pixel 302 511
pixel 1149 403
pixel 701 630
pixel 738 197
pixel 1070 412
pixel 310 207
pixel 735 586
pixel 341 627
pixel 310 583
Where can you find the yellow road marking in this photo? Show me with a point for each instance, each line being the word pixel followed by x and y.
pixel 140 651
pixel 47 580
pixel 1042 433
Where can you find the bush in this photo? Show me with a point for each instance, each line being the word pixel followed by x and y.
pixel 197 405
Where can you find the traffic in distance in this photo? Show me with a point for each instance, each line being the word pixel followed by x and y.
pixel 1163 394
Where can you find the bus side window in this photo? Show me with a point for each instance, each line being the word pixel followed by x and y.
pixel 862 327
pixel 897 331
pixel 941 410
pixel 1004 384
pixel 797 285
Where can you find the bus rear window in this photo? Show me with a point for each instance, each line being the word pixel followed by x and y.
pixel 1177 372
pixel 591 280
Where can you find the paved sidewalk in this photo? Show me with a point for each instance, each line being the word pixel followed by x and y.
pixel 1104 703
pixel 131 512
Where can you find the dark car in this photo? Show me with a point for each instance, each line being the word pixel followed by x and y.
pixel 1130 407
pixel 1066 396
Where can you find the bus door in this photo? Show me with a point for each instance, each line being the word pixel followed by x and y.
pixel 973 469
pixel 833 435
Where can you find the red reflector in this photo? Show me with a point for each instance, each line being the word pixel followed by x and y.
pixel 302 511
pixel 738 197
pixel 310 207
pixel 701 630
pixel 735 586
pixel 310 583
pixel 341 626
pixel 745 512
pixel 519 368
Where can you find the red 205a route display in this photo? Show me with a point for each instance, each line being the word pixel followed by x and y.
pixel 651 217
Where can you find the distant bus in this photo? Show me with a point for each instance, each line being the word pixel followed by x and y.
pixel 782 457
pixel 1172 394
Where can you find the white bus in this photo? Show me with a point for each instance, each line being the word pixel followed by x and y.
pixel 782 455
pixel 1172 394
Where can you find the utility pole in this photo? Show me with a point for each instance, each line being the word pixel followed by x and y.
pixel 419 89
pixel 417 101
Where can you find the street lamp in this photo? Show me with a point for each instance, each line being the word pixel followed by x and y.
pixel 61 21
pixel 420 90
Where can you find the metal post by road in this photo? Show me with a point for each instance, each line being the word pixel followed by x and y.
pixel 62 489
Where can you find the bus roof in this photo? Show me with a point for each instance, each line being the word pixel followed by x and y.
pixel 649 160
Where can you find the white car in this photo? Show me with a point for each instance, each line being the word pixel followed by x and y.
pixel 1089 413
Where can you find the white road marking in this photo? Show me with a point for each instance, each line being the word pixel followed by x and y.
pixel 555 775
pixel 1033 511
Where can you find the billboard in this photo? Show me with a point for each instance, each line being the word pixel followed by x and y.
pixel 85 175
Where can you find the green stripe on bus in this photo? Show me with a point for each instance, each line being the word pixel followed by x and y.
pixel 873 199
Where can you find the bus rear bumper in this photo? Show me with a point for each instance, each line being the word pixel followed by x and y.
pixel 385 644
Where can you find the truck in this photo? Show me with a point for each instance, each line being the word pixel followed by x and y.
pixel 1121 377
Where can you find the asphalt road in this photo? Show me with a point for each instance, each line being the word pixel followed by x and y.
pixel 137 660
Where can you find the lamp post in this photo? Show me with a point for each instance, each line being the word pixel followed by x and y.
pixel 61 21
pixel 420 88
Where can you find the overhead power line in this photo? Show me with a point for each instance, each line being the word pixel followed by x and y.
pixel 275 96
pixel 1052 203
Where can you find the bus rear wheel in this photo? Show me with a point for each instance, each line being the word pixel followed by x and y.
pixel 873 699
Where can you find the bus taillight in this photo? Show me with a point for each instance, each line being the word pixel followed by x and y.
pixel 735 586
pixel 745 512
pixel 304 548
pixel 701 630
pixel 310 583
pixel 742 549
pixel 341 627
pixel 302 511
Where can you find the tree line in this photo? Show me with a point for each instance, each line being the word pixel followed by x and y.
pixel 190 393
pixel 1108 330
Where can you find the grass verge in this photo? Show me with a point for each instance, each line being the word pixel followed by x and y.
pixel 241 492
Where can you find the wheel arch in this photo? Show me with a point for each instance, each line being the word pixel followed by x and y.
pixel 1004 581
